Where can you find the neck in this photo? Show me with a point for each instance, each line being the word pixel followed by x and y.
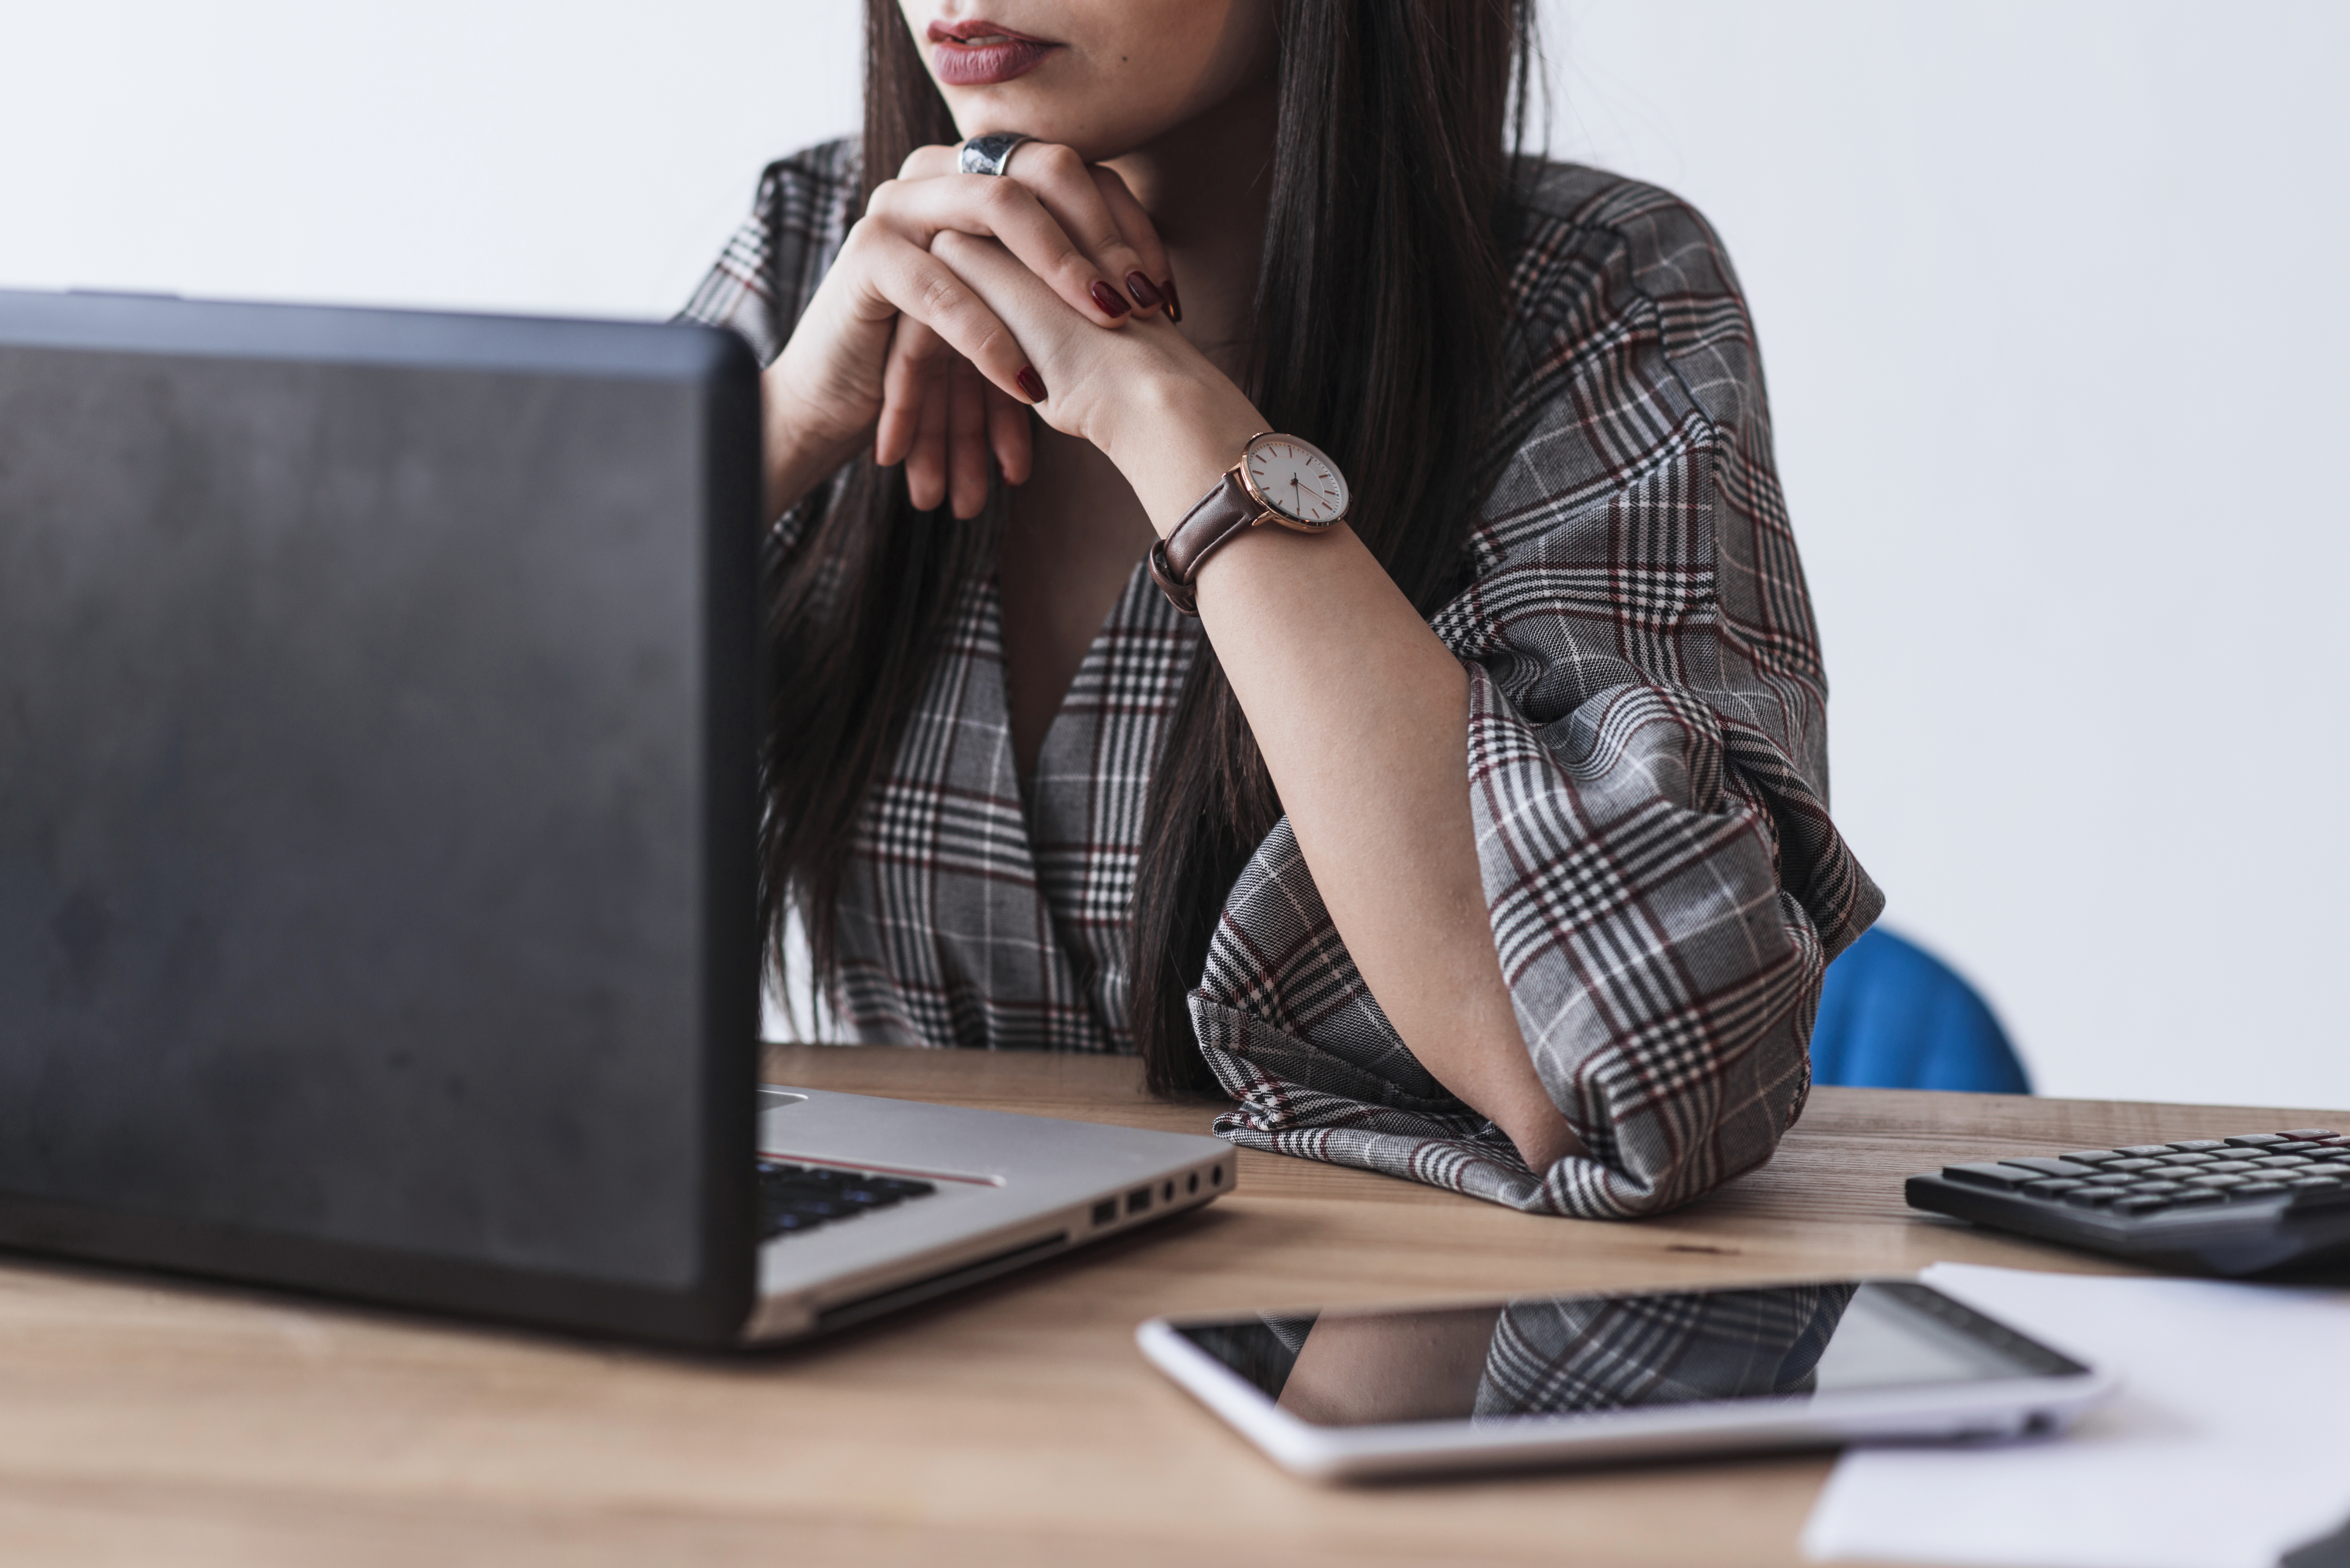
pixel 1207 185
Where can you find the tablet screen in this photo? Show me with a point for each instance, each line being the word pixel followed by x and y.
pixel 1541 1356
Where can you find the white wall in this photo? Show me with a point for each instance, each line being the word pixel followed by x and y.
pixel 560 156
pixel 2050 298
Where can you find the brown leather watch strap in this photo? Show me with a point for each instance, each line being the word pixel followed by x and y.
pixel 1227 512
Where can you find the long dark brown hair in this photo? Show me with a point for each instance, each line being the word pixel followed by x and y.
pixel 1378 321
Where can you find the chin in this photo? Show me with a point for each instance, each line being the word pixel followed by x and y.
pixel 1049 112
pixel 984 109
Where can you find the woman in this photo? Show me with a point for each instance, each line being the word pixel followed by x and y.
pixel 1480 838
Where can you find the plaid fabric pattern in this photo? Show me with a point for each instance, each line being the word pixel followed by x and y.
pixel 1647 753
pixel 979 918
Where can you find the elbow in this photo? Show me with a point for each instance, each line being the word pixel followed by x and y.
pixel 1695 1097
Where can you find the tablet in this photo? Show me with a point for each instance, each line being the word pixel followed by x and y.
pixel 1555 1379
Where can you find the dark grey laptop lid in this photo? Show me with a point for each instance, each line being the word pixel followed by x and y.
pixel 377 723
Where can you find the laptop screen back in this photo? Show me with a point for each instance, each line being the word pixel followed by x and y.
pixel 374 840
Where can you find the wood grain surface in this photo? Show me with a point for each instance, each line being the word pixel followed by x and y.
pixel 147 1421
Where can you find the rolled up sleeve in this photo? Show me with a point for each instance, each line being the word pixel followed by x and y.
pixel 1647 764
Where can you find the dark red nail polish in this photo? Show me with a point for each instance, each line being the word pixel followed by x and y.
pixel 1174 301
pixel 1146 293
pixel 1031 383
pixel 1107 297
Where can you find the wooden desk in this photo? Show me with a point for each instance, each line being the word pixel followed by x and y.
pixel 146 1422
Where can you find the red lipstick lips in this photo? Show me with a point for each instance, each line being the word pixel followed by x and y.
pixel 978 53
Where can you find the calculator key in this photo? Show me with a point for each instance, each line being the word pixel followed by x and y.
pixel 2280 1161
pixel 2142 1150
pixel 2294 1145
pixel 2217 1183
pixel 2089 1196
pixel 2186 1161
pixel 2133 1165
pixel 2141 1205
pixel 2052 1187
pixel 2198 1145
pixel 2305 1182
pixel 2201 1195
pixel 2255 1140
pixel 2092 1156
pixel 2157 1189
pixel 2052 1166
pixel 2312 1133
pixel 2230 1167
pixel 2121 1180
pixel 2006 1177
pixel 2260 1189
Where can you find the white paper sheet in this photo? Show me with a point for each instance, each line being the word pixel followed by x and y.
pixel 2226 1448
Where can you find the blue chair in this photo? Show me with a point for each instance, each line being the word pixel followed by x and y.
pixel 1893 1016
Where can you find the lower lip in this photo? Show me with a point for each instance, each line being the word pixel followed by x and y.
pixel 983 64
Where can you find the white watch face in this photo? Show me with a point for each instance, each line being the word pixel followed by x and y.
pixel 1297 482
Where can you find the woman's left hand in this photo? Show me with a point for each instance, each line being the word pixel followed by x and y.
pixel 1152 404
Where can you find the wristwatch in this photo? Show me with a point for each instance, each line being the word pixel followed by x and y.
pixel 1279 479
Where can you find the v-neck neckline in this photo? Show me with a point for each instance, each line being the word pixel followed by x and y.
pixel 1096 653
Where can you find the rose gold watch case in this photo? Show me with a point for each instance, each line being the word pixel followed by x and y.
pixel 1273 513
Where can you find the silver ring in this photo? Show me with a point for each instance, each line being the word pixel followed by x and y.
pixel 992 154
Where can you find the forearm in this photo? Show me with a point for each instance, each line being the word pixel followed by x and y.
pixel 1361 714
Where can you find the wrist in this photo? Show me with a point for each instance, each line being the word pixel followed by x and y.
pixel 1173 436
pixel 800 453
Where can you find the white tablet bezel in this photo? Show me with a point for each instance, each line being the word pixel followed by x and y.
pixel 2005 1407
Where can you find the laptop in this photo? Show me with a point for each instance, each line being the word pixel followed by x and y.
pixel 379 699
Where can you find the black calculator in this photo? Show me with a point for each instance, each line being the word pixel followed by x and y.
pixel 2241 1205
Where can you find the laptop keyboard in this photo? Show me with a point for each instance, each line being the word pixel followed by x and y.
pixel 797 1197
pixel 2235 1205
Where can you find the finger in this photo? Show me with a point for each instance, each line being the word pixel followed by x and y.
pixel 1005 209
pixel 926 464
pixel 1064 183
pixel 929 163
pixel 1142 234
pixel 916 354
pixel 998 280
pixel 924 288
pixel 966 439
pixel 1009 435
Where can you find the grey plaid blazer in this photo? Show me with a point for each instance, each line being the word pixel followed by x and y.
pixel 1647 747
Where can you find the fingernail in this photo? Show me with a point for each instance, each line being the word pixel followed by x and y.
pixel 1146 294
pixel 1107 297
pixel 1032 383
pixel 1174 300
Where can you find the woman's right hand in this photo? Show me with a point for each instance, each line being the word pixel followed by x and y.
pixel 896 348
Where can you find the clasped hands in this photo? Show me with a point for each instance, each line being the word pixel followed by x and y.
pixel 959 301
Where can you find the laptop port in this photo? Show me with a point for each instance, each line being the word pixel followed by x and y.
pixel 1105 1211
pixel 1193 1183
pixel 1168 1193
pixel 1139 1200
pixel 1216 1176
